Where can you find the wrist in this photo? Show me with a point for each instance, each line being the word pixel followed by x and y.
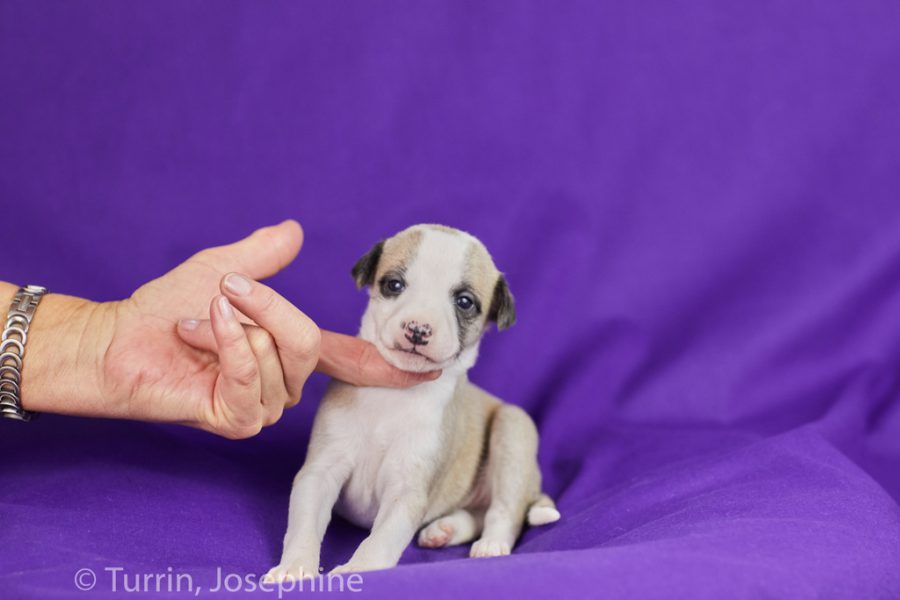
pixel 61 371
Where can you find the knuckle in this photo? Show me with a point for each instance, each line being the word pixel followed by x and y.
pixel 267 235
pixel 203 256
pixel 245 374
pixel 396 377
pixel 309 341
pixel 293 400
pixel 242 432
pixel 362 365
pixel 232 433
pixel 401 378
pixel 268 299
pixel 233 336
pixel 273 416
pixel 239 429
pixel 273 240
pixel 261 341
pixel 211 258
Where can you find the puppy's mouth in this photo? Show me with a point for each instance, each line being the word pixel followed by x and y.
pixel 412 350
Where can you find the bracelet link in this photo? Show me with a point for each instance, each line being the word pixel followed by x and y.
pixel 12 351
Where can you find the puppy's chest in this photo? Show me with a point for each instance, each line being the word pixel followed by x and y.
pixel 396 444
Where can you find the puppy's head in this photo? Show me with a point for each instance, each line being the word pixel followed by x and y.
pixel 433 291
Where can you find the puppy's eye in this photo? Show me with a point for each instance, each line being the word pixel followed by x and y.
pixel 465 303
pixel 392 286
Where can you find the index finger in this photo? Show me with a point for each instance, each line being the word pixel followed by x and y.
pixel 358 362
pixel 296 336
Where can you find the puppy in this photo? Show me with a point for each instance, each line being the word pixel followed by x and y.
pixel 444 458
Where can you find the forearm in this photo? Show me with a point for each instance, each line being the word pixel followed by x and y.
pixel 62 368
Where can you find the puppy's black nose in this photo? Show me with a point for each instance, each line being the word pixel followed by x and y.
pixel 417 334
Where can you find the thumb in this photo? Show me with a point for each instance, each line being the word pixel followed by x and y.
pixel 262 254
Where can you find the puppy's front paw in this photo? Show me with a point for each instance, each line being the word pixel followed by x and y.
pixel 344 568
pixel 289 572
pixel 485 548
pixel 356 566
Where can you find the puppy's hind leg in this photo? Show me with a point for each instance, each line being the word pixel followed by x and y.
pixel 514 479
pixel 459 527
pixel 542 511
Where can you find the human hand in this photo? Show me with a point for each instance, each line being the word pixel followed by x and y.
pixel 202 345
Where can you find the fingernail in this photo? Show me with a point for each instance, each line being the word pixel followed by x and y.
pixel 225 308
pixel 189 324
pixel 237 284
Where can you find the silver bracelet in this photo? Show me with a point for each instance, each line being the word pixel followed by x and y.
pixel 12 351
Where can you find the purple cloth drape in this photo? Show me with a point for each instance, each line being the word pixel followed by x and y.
pixel 696 205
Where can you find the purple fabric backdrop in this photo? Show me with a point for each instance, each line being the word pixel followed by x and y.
pixel 696 206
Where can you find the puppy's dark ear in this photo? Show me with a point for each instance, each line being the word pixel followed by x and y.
pixel 503 307
pixel 364 270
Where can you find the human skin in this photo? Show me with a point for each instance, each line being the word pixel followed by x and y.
pixel 205 345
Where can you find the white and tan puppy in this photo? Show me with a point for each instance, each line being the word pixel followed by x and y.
pixel 444 458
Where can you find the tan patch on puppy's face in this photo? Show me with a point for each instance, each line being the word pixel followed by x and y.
pixel 398 252
pixel 480 271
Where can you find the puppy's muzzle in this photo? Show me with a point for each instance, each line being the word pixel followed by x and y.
pixel 417 334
